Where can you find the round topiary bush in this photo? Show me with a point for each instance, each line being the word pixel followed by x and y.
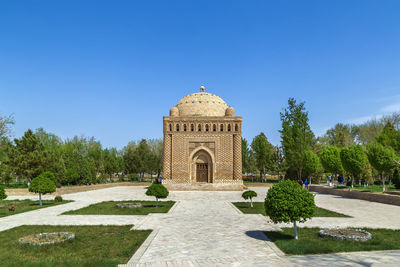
pixel 158 191
pixel 43 184
pixel 249 195
pixel 58 199
pixel 289 202
pixel 3 194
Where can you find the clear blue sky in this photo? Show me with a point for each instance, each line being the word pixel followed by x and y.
pixel 112 69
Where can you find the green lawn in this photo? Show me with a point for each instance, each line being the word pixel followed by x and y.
pixel 110 208
pixel 92 246
pixel 25 205
pixel 259 209
pixel 310 242
pixel 370 188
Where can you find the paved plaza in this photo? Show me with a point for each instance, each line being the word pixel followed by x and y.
pixel 204 229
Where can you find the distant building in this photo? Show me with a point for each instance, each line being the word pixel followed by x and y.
pixel 202 142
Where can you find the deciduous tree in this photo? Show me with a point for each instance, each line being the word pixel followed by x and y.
pixel 381 158
pixel 263 153
pixel 353 160
pixel 296 135
pixel 43 184
pixel 289 202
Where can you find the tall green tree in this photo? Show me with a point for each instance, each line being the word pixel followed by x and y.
pixel 311 163
pixel 245 156
pixel 263 152
pixel 382 159
pixel 296 135
pixel 340 135
pixel 390 137
pixel 110 162
pixel 330 160
pixel 279 160
pixel 5 125
pixel 156 155
pixel 28 158
pixel 353 160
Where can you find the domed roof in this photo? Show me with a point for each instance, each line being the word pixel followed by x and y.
pixel 202 104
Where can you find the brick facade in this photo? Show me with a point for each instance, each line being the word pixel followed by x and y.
pixel 198 138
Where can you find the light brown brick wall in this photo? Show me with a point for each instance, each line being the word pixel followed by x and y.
pixel 224 147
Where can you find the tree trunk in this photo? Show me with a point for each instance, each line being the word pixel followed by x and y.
pixel 251 201
pixel 296 236
pixel 383 182
pixel 352 181
pixel 40 199
pixel 156 201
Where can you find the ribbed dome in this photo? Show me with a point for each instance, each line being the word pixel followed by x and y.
pixel 202 104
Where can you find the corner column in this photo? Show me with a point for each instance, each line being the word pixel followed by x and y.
pixel 167 157
pixel 237 157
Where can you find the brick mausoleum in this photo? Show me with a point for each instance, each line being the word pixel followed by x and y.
pixel 202 142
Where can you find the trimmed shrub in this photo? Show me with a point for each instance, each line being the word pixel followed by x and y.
pixel 249 195
pixel 3 194
pixel 289 202
pixel 42 185
pixel 157 191
pixel 58 199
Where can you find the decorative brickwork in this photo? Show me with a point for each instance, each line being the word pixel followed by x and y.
pixel 202 137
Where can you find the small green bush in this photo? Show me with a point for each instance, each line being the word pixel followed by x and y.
pixel 249 195
pixel 58 199
pixel 289 202
pixel 3 194
pixel 158 191
pixel 43 184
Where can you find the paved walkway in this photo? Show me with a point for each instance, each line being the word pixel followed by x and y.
pixel 204 229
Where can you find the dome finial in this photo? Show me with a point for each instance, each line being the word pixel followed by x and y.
pixel 202 88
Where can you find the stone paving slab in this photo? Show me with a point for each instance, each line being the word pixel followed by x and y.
pixel 204 229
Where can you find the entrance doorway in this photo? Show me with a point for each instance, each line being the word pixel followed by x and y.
pixel 201 167
pixel 202 172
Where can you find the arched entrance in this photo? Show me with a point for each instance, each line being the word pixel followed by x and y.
pixel 202 167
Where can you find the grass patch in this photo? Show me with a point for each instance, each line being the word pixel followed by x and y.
pixel 110 208
pixel 92 246
pixel 260 209
pixel 371 188
pixel 310 242
pixel 25 205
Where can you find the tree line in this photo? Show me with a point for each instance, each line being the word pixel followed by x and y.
pixel 364 153
pixel 75 161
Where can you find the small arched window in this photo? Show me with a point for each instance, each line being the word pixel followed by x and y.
pixel 170 127
pixel 207 128
pixel 221 128
pixel 199 128
pixel 177 127
pixel 214 127
pixel 192 127
pixel 229 127
pixel 184 127
pixel 236 128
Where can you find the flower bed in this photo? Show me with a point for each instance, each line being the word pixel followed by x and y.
pixel 46 238
pixel 346 234
pixel 130 205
